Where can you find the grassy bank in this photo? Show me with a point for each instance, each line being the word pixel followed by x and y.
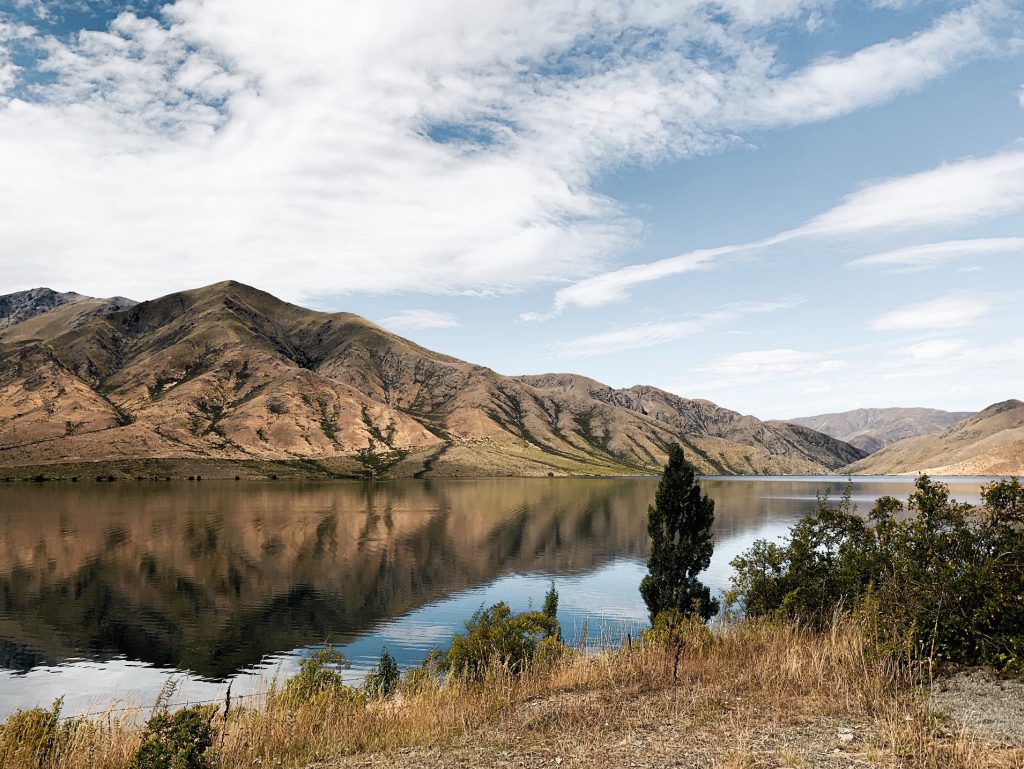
pixel 748 694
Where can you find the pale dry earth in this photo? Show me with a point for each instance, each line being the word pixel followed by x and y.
pixel 982 703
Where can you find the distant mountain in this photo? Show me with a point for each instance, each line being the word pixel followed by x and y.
pixel 22 306
pixel 990 442
pixel 873 429
pixel 232 374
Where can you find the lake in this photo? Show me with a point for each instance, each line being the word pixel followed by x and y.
pixel 109 589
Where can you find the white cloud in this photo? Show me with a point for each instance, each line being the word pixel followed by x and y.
pixel 613 286
pixel 956 311
pixel 990 368
pixel 958 193
pixel 971 190
pixel 416 319
pixel 934 254
pixel 757 365
pixel 9 71
pixel 874 74
pixel 236 137
pixel 933 350
pixel 649 334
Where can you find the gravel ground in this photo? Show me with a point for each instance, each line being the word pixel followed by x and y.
pixel 661 737
pixel 983 704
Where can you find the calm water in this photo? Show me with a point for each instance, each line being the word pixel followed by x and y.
pixel 106 590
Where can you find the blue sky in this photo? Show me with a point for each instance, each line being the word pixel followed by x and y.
pixel 785 206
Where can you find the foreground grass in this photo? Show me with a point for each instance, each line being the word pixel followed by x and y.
pixel 747 695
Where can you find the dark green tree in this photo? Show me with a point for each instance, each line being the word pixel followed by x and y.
pixel 679 524
pixel 551 602
pixel 382 681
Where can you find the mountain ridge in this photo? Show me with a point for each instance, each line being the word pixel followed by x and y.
pixel 231 373
pixel 990 442
pixel 871 429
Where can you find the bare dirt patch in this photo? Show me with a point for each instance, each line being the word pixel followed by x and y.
pixel 982 704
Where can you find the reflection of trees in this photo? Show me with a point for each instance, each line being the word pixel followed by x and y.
pixel 212 577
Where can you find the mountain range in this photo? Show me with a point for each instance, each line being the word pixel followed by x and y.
pixel 990 442
pixel 228 380
pixel 873 429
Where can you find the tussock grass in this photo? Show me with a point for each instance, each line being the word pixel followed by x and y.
pixel 748 694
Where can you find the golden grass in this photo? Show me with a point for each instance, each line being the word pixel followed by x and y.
pixel 747 695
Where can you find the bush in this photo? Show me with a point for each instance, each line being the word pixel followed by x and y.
pixel 945 582
pixel 382 681
pixel 178 740
pixel 318 679
pixel 496 636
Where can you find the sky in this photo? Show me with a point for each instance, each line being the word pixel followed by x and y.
pixel 788 207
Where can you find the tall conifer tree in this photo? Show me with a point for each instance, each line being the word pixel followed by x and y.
pixel 679 523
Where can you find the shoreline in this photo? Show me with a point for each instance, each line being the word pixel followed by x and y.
pixel 163 470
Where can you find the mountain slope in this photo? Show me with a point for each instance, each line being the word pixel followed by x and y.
pixel 228 372
pixel 754 445
pixel 989 443
pixel 873 429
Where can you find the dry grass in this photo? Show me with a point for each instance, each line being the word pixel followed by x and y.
pixel 748 695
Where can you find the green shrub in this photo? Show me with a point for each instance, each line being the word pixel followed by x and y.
pixel 178 740
pixel 673 628
pixel 318 679
pixel 496 636
pixel 944 582
pixel 382 681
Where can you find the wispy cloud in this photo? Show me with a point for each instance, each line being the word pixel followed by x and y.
pixel 757 365
pixel 399 146
pixel 614 286
pixel 933 254
pixel 933 350
pixel 958 193
pixel 874 74
pixel 653 333
pixel 983 364
pixel 408 320
pixel 956 311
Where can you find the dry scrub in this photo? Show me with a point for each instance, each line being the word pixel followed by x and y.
pixel 747 695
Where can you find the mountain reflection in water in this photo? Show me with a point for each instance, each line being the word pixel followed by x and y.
pixel 214 576
pixel 220 577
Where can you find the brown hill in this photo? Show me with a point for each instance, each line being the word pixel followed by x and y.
pixel 754 446
pixel 873 429
pixel 228 372
pixel 989 443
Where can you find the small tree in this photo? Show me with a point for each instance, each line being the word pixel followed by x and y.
pixel 382 681
pixel 551 602
pixel 679 524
